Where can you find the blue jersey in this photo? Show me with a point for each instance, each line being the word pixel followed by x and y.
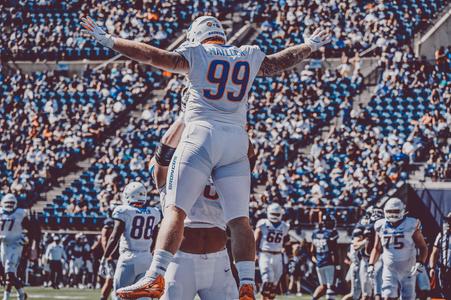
pixel 324 241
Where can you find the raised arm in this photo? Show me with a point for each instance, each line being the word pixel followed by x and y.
pixel 144 53
pixel 286 59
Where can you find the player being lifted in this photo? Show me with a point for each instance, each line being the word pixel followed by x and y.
pixel 13 221
pixel 215 141
pixel 202 265
pixel 134 229
pixel 270 235
pixel 398 236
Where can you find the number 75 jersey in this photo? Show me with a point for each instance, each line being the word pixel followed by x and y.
pixel 272 235
pixel 140 224
pixel 397 242
pixel 219 81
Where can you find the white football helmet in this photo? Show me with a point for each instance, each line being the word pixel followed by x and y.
pixel 9 203
pixel 394 210
pixel 134 194
pixel 205 27
pixel 274 212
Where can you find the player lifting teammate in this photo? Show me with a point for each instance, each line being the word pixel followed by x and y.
pixel 215 141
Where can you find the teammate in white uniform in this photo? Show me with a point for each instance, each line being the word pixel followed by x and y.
pixel 215 141
pixel 202 265
pixel 134 225
pixel 13 220
pixel 270 235
pixel 399 236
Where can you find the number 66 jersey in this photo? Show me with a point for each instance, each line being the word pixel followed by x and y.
pixel 140 223
pixel 397 242
pixel 272 235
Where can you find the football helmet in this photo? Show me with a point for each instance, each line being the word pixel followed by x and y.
pixel 134 194
pixel 329 221
pixel 9 203
pixel 394 210
pixel 274 212
pixel 205 27
pixel 377 214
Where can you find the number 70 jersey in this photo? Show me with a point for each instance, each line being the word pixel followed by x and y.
pixel 272 235
pixel 140 224
pixel 219 81
pixel 397 242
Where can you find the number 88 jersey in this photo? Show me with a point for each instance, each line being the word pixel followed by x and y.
pixel 272 235
pixel 140 223
pixel 397 242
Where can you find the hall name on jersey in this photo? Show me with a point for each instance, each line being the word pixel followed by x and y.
pixel 225 52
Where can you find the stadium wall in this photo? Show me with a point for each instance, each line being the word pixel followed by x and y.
pixel 438 36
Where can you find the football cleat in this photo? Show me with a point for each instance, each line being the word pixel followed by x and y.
pixel 146 287
pixel 247 292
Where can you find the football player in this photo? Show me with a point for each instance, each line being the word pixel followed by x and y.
pixel 13 221
pixel 106 270
pixel 203 247
pixel 215 142
pixel 324 247
pixel 134 230
pixel 441 257
pixel 271 234
pixel 398 236
pixel 369 285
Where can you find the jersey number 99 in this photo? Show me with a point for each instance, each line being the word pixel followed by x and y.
pixel 239 77
pixel 142 227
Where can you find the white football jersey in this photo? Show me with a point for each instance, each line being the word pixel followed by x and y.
pixel 206 212
pixel 140 224
pixel 272 235
pixel 219 81
pixel 11 229
pixel 397 241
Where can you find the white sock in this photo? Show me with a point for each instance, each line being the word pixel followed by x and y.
pixel 6 295
pixel 160 262
pixel 246 272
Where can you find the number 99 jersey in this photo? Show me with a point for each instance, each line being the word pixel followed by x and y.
pixel 140 224
pixel 219 81
pixel 397 242
pixel 272 235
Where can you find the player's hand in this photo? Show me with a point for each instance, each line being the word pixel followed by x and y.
pixel 370 272
pixel 318 39
pixel 97 32
pixel 418 268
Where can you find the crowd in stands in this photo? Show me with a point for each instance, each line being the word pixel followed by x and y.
pixel 356 25
pixel 50 30
pixel 48 119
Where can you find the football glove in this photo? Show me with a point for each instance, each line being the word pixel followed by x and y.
pixel 370 272
pixel 418 268
pixel 318 39
pixel 97 32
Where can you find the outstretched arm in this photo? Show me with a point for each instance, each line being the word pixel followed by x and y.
pixel 290 57
pixel 147 54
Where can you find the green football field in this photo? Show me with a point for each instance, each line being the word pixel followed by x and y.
pixel 85 294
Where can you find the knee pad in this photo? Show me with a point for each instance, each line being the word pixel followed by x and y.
pixel 163 154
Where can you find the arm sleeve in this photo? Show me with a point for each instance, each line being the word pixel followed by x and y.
pixel 119 213
pixel 256 56
pixel 187 49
